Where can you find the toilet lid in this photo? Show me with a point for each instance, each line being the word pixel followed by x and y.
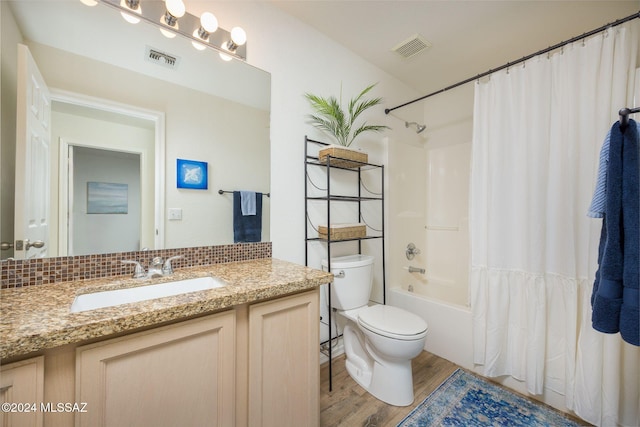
pixel 392 321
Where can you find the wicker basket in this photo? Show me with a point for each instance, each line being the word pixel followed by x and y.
pixel 343 231
pixel 343 157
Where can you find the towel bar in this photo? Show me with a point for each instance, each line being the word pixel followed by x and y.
pixel 225 191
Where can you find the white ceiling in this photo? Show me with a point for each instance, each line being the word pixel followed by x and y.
pixel 468 37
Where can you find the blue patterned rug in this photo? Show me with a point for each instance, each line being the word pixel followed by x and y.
pixel 466 400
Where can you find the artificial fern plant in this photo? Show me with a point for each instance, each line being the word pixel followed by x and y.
pixel 330 117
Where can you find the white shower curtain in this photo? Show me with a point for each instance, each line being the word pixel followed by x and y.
pixel 537 133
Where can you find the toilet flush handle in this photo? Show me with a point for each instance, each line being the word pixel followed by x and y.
pixel 339 275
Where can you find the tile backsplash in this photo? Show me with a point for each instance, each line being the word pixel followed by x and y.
pixel 18 273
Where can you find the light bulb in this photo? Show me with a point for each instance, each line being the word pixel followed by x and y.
pixel 176 8
pixel 89 2
pixel 238 36
pixel 209 22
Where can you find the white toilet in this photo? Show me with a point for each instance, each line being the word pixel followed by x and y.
pixel 379 341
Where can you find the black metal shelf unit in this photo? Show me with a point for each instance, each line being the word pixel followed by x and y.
pixel 312 160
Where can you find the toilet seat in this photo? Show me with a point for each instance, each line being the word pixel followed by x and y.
pixel 392 322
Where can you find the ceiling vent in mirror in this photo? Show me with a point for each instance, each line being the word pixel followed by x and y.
pixel 162 58
pixel 412 46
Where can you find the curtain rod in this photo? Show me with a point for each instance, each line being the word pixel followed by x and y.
pixel 523 59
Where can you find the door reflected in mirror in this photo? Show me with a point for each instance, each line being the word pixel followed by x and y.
pixel 205 109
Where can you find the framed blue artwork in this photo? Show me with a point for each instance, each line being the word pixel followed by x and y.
pixel 192 174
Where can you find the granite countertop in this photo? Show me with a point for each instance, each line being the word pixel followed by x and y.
pixel 36 318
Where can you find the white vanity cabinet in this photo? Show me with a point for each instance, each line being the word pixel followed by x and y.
pixel 21 393
pixel 181 374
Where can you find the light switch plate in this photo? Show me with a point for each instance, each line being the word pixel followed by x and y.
pixel 175 214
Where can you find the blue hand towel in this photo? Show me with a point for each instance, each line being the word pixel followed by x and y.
pixel 615 297
pixel 248 202
pixel 246 228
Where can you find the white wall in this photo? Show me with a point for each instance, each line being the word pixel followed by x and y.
pixel 300 60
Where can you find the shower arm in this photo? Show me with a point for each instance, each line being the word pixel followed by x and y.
pixel 419 127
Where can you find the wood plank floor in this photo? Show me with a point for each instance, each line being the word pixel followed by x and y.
pixel 349 405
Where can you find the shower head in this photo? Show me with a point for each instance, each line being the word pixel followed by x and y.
pixel 419 128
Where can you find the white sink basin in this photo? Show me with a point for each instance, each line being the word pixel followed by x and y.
pixel 101 299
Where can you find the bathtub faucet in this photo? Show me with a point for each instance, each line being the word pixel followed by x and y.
pixel 416 270
pixel 411 251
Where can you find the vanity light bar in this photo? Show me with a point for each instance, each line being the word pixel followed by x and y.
pixel 154 12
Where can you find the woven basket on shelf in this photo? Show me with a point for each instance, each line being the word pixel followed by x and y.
pixel 343 231
pixel 346 158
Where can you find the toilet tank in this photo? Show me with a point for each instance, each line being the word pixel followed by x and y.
pixel 351 289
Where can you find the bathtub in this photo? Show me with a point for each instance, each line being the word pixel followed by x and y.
pixel 450 331
pixel 447 314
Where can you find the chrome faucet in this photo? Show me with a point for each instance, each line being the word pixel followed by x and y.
pixel 155 269
pixel 138 272
pixel 416 270
pixel 167 268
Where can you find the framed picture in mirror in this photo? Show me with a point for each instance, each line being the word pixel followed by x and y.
pixel 107 198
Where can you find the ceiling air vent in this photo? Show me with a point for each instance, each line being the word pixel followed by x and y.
pixel 412 46
pixel 162 58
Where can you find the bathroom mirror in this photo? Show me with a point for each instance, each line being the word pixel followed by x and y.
pixel 126 94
